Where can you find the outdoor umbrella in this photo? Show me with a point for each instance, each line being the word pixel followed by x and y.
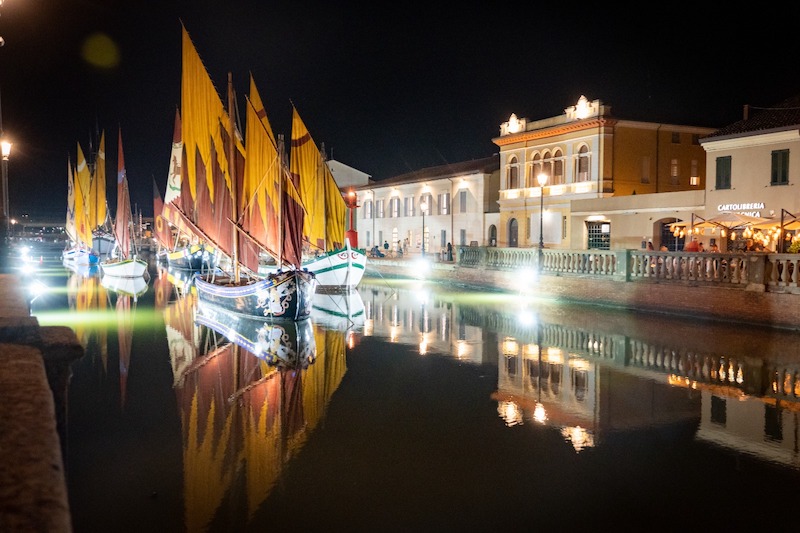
pixel 733 221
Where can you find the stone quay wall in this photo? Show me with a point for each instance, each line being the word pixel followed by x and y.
pixel 34 373
pixel 756 288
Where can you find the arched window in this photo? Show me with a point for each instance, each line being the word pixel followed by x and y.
pixel 513 233
pixel 492 235
pixel 513 173
pixel 558 167
pixel 537 167
pixel 582 171
pixel 547 164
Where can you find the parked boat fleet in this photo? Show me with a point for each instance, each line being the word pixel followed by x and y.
pixel 257 234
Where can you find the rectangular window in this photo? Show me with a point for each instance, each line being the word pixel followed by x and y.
pixel 379 208
pixel 368 209
pixel 443 237
pixel 723 172
pixel 780 168
pixel 599 235
pixel 462 234
pixel 673 172
pixel 646 169
pixel 369 242
pixel 694 179
pixel 444 203
pixel 676 137
pixel 462 200
pixel 394 208
pixel 426 199
pixel 409 209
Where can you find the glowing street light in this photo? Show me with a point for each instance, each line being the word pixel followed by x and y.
pixel 423 207
pixel 5 150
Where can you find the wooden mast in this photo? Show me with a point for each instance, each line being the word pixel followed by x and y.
pixel 232 172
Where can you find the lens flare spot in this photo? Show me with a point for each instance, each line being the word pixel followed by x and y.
pixel 100 51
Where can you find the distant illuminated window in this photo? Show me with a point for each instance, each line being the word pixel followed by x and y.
pixel 673 172
pixel 723 173
pixel 780 167
pixel 694 179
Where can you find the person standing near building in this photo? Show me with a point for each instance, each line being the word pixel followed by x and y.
pixel 449 252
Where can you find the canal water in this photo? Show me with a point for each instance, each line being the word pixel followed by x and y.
pixel 410 406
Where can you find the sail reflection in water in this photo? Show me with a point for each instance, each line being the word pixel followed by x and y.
pixel 250 393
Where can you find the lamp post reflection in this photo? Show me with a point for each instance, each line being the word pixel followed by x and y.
pixel 539 414
pixel 423 207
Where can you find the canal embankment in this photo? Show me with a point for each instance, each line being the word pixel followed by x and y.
pixel 752 298
pixel 34 373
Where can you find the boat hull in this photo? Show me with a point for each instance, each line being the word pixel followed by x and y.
pixel 126 268
pixel 340 270
pixel 285 295
pixel 289 343
pixel 194 257
pixel 134 287
pixel 80 257
pixel 340 311
pixel 103 244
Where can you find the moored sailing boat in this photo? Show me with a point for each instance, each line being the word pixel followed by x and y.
pixel 245 215
pixel 78 227
pixel 179 245
pixel 337 265
pixel 126 264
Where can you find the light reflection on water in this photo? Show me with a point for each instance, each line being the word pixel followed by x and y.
pixel 421 399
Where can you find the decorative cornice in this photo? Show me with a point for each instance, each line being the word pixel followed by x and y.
pixel 561 129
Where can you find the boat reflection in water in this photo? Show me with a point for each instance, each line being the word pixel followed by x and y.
pixel 338 310
pixel 592 379
pixel 250 393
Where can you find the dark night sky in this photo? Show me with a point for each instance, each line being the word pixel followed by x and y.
pixel 388 88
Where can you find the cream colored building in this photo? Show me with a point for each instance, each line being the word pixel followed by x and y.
pixel 454 203
pixel 590 157
pixel 748 164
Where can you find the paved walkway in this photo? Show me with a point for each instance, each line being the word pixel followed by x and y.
pixel 34 363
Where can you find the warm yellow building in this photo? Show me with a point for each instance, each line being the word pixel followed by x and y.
pixel 585 154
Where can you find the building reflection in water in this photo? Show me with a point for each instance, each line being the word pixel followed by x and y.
pixel 592 377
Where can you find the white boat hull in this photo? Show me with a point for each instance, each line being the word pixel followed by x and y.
pixel 134 287
pixel 339 311
pixel 80 257
pixel 127 268
pixel 339 270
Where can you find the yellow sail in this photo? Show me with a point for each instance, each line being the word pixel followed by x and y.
pixel 82 189
pixel 324 224
pixel 70 228
pixel 202 114
pixel 97 206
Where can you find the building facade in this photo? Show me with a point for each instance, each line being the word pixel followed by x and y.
pixel 748 164
pixel 424 210
pixel 588 154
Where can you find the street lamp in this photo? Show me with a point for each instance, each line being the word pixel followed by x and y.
pixel 423 206
pixel 5 149
pixel 542 179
